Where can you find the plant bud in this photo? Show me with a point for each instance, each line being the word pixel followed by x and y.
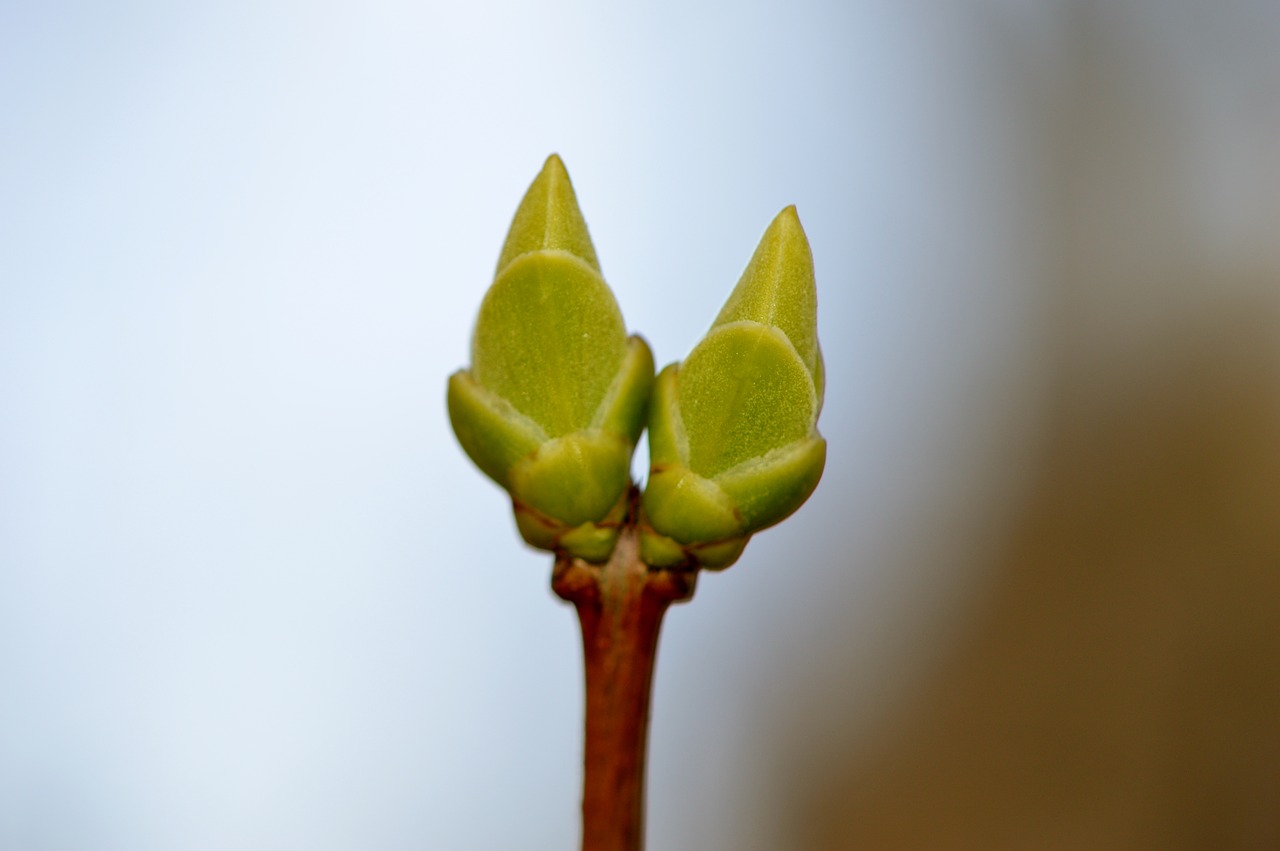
pixel 556 395
pixel 733 437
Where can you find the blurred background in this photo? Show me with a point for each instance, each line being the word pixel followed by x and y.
pixel 253 595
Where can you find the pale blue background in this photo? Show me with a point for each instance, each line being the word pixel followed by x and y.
pixel 253 596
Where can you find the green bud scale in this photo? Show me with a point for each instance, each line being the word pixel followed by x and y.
pixel 556 396
pixel 733 436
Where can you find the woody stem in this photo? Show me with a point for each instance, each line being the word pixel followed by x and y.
pixel 620 605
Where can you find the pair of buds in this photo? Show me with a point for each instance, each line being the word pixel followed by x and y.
pixel 558 394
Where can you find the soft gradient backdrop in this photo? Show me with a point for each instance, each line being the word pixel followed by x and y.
pixel 253 596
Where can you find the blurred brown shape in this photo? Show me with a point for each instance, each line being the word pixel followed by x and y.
pixel 1117 683
pixel 1121 689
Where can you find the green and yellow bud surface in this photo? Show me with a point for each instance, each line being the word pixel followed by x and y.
pixel 557 393
pixel 733 438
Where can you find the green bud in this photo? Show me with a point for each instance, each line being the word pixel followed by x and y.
pixel 557 392
pixel 733 436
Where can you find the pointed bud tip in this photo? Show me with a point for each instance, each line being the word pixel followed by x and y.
pixel 788 218
pixel 553 172
pixel 552 176
pixel 777 288
pixel 549 218
pixel 785 234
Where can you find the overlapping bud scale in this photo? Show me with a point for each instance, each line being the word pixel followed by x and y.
pixel 557 392
pixel 733 436
pixel 557 396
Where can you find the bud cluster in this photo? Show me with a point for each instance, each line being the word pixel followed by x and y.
pixel 557 396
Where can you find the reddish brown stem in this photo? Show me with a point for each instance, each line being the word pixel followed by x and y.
pixel 620 605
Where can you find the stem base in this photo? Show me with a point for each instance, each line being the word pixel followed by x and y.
pixel 620 605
